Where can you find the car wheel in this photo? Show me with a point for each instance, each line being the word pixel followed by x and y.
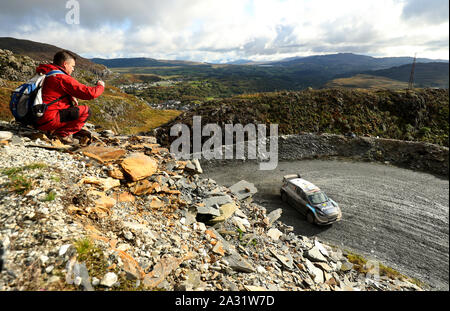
pixel 310 217
pixel 284 196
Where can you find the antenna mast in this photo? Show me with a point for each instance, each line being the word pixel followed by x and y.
pixel 411 77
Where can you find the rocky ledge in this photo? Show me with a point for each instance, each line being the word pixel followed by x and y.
pixel 120 213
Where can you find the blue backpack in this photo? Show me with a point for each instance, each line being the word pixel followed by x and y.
pixel 26 101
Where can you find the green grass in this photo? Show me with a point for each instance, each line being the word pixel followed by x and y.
pixel 97 265
pixel 19 182
pixel 51 196
pixel 359 264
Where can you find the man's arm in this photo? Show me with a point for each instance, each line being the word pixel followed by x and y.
pixel 79 90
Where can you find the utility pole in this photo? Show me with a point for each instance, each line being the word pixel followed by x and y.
pixel 411 77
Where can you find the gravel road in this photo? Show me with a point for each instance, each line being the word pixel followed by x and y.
pixel 394 215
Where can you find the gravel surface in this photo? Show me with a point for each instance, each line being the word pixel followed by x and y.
pixel 397 216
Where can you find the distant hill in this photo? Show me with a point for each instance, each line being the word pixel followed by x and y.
pixel 43 52
pixel 425 74
pixel 347 62
pixel 142 62
pixel 296 73
pixel 241 62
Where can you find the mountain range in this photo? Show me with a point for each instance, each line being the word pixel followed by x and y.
pixel 291 73
pixel 297 72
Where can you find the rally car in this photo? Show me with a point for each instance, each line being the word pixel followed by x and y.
pixel 309 200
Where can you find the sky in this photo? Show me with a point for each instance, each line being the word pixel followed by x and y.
pixel 223 31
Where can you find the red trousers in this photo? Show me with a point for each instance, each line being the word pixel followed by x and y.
pixel 64 122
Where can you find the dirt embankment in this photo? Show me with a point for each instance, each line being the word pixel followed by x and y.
pixel 418 156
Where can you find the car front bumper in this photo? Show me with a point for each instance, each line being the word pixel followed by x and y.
pixel 326 220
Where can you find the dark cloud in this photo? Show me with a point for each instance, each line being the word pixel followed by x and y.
pixel 95 13
pixel 426 11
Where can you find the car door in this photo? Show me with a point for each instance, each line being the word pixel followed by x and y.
pixel 290 190
pixel 296 200
pixel 302 201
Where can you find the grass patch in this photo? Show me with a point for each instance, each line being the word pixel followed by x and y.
pixel 15 170
pixel 20 183
pixel 358 262
pixel 390 273
pixel 97 266
pixel 56 178
pixel 51 196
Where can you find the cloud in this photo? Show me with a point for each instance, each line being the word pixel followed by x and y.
pixel 426 11
pixel 207 30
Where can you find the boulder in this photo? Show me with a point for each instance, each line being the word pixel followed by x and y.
pixel 139 166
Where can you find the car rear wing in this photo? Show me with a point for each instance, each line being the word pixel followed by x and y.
pixel 291 176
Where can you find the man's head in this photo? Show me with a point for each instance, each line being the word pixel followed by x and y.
pixel 66 60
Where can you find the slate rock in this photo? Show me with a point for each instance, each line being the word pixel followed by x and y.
pixel 315 255
pixel 274 215
pixel 243 189
pixel 208 210
pixel 219 200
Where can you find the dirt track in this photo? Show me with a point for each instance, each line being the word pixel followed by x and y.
pixel 397 216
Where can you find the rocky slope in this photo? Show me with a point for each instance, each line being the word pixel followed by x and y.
pixel 120 213
pixel 42 52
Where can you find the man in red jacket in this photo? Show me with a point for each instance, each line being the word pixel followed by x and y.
pixel 64 117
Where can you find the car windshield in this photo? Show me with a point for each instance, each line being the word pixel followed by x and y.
pixel 318 197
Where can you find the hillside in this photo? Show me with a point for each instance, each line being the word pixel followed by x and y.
pixel 126 216
pixel 351 62
pixel 365 81
pixel 425 74
pixel 420 115
pixel 42 52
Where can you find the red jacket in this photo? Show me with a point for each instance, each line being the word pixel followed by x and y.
pixel 63 84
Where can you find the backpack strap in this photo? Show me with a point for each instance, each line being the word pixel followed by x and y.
pixel 54 72
pixel 56 100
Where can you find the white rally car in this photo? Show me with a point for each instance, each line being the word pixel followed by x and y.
pixel 309 200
